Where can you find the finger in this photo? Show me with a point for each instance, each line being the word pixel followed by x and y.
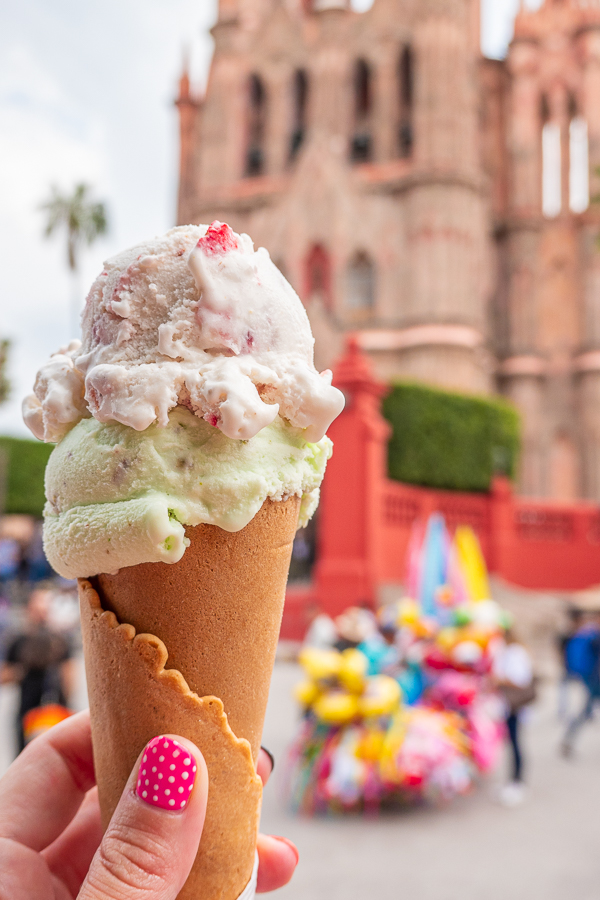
pixel 152 839
pixel 24 875
pixel 277 860
pixel 69 857
pixel 265 765
pixel 45 786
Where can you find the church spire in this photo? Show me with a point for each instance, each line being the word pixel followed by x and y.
pixel 228 10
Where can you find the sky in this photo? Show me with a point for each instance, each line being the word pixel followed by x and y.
pixel 86 94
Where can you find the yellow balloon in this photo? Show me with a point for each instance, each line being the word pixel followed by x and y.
pixel 336 707
pixel 481 636
pixel 447 639
pixel 382 696
pixel 321 665
pixel 306 692
pixel 353 670
pixel 409 612
pixel 472 563
pixel 371 745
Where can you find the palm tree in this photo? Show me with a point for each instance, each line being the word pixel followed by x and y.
pixel 4 382
pixel 84 221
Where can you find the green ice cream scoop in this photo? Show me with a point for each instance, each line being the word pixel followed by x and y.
pixel 119 497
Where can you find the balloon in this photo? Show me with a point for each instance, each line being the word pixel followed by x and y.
pixel 336 707
pixel 472 563
pixel 408 714
pixel 382 697
pixel 409 612
pixel 467 653
pixel 447 639
pixel 306 692
pixel 412 684
pixel 353 670
pixel 435 560
pixel 321 665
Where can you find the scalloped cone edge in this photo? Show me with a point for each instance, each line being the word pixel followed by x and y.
pixel 133 698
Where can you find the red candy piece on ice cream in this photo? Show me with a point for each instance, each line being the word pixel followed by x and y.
pixel 218 239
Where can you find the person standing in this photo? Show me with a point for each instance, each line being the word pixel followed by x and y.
pixel 567 677
pixel 513 676
pixel 38 660
pixel 583 662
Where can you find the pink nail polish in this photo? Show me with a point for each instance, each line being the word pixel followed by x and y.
pixel 289 844
pixel 167 774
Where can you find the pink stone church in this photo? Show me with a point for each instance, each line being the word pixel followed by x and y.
pixel 439 204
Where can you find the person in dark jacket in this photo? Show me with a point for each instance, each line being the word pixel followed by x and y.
pixel 38 660
pixel 582 655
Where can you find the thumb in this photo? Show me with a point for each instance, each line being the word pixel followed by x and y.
pixel 152 839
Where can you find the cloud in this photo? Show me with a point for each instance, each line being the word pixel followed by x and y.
pixel 86 93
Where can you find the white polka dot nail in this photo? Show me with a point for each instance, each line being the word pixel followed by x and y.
pixel 174 766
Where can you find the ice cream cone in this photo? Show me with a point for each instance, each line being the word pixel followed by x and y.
pixel 213 620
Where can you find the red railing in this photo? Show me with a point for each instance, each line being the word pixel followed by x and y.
pixel 365 519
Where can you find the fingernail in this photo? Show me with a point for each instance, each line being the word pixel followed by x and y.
pixel 292 847
pixel 270 755
pixel 167 774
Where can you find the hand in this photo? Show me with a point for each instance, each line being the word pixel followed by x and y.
pixel 51 843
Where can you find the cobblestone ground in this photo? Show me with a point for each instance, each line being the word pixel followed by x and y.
pixel 547 849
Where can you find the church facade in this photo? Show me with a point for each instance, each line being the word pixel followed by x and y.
pixel 433 202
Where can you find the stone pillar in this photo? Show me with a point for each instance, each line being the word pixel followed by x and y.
pixel 224 114
pixel 524 129
pixel 350 514
pixel 278 82
pixel 525 388
pixel 446 212
pixel 446 90
pixel 331 80
pixel 188 107
pixel 387 105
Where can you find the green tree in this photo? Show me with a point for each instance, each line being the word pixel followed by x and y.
pixel 83 221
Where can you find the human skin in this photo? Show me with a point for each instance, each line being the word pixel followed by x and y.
pixel 51 842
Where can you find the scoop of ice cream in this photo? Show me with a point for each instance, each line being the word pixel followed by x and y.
pixel 60 386
pixel 194 318
pixel 117 497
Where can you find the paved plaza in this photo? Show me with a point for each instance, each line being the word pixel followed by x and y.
pixel 474 849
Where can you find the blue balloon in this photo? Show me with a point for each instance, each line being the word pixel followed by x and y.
pixel 412 682
pixel 435 563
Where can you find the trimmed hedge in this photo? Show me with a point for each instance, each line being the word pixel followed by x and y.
pixel 449 440
pixel 26 462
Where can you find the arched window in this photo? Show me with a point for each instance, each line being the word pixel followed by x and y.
pixel 551 170
pixel 579 165
pixel 300 103
pixel 406 88
pixel 257 126
pixel 551 162
pixel 317 281
pixel 361 149
pixel 360 285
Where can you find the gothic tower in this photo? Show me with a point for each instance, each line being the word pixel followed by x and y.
pixel 347 144
pixel 548 293
pixel 434 202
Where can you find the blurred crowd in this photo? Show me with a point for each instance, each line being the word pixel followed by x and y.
pixel 39 629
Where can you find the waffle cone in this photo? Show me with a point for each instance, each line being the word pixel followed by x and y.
pixel 161 643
